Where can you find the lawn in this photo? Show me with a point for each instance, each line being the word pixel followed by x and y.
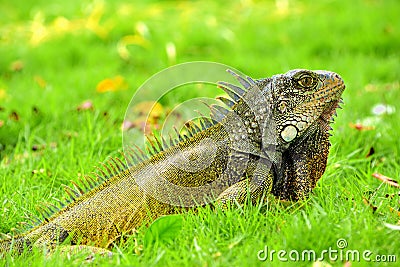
pixel 68 72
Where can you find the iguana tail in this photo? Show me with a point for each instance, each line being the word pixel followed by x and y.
pixel 15 245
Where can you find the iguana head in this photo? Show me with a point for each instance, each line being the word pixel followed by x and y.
pixel 303 104
pixel 300 99
pixel 287 118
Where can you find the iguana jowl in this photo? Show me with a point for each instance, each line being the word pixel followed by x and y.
pixel 273 138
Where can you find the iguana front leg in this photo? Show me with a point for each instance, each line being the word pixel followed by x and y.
pixel 257 184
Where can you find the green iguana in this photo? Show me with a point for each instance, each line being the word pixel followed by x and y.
pixel 273 138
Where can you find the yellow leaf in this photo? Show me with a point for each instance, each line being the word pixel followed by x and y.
pixel 112 84
pixel 136 39
pixel 3 93
pixel 40 81
pixel 93 21
pixel 152 110
pixel 144 116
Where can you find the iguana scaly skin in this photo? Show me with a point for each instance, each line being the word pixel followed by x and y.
pixel 273 138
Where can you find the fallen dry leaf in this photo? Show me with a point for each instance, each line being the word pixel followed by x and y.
pixel 130 40
pixel 140 123
pixel 386 180
pixel 17 65
pixel 144 116
pixel 360 127
pixel 40 81
pixel 112 84
pixel 395 211
pixel 150 109
pixel 86 105
pixel 367 202
pixel 14 116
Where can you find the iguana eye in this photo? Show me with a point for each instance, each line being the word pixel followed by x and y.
pixel 306 81
pixel 282 106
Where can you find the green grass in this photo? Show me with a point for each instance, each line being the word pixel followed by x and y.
pixel 360 40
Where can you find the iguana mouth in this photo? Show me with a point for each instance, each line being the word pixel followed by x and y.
pixel 331 111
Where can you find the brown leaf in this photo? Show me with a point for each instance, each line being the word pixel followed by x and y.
pixel 17 65
pixel 360 127
pixel 386 180
pixel 14 116
pixel 366 201
pixel 140 123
